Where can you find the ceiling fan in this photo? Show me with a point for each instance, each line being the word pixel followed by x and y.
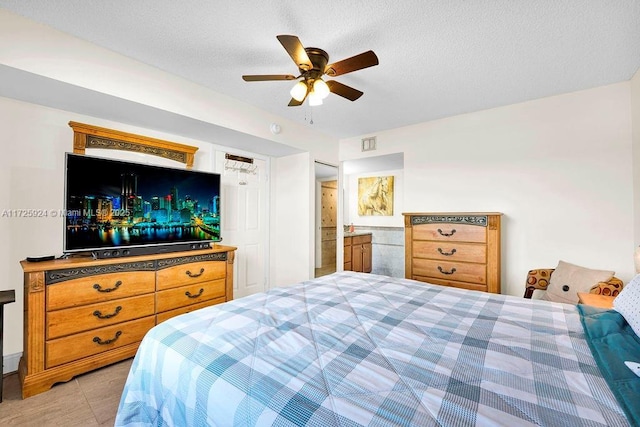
pixel 312 64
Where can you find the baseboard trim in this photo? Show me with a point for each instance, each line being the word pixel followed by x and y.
pixel 10 363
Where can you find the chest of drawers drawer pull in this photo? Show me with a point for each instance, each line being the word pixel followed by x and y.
pixel 442 233
pixel 453 270
pixel 190 295
pixel 99 288
pixel 99 314
pixel 190 274
pixel 453 251
pixel 99 341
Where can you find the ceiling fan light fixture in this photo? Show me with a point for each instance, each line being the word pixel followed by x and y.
pixel 314 99
pixel 299 91
pixel 321 88
pixel 312 65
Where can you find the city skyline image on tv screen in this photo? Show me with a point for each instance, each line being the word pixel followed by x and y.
pixel 112 203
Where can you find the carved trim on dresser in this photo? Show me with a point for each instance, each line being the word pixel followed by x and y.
pixel 480 220
pixel 36 283
pixel 58 276
pixel 170 262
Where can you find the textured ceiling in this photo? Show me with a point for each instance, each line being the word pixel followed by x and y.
pixel 437 58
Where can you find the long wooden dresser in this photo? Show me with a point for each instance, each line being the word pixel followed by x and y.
pixel 81 314
pixel 454 249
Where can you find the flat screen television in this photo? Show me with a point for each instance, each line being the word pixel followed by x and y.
pixel 112 206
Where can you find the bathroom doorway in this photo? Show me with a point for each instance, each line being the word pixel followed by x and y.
pixel 326 218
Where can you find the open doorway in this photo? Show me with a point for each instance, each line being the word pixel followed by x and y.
pixel 326 218
pixel 386 229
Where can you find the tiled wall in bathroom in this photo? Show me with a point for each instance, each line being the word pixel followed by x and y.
pixel 387 250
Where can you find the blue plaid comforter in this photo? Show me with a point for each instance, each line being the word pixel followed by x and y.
pixel 353 349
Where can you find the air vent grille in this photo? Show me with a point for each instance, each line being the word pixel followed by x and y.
pixel 369 144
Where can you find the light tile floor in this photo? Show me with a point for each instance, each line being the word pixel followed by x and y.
pixel 87 400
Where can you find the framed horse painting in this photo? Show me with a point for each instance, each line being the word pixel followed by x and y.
pixel 375 196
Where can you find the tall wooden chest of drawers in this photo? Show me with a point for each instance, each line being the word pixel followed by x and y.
pixel 454 249
pixel 81 314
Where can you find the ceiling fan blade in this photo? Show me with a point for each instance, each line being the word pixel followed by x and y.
pixel 355 63
pixel 296 103
pixel 343 90
pixel 296 51
pixel 267 77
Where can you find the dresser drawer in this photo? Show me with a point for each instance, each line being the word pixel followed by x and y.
pixel 194 272
pixel 444 270
pixel 450 232
pixel 183 296
pixel 77 319
pixel 84 344
pixel 98 288
pixel 450 251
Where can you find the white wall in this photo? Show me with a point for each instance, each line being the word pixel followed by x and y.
pixel 635 118
pixel 559 169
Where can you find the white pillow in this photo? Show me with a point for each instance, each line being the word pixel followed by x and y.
pixel 627 303
pixel 569 279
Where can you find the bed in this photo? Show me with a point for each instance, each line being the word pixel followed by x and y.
pixel 352 349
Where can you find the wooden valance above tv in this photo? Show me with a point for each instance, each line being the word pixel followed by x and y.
pixel 89 136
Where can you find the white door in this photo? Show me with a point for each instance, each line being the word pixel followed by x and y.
pixel 245 222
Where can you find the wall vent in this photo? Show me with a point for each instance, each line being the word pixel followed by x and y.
pixel 369 144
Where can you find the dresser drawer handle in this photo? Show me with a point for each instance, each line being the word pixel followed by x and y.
pixel 98 288
pixel 100 342
pixel 453 251
pixel 99 314
pixel 189 295
pixel 453 270
pixel 442 233
pixel 190 274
